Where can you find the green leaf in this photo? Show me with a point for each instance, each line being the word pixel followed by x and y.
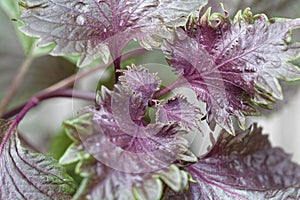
pixel 27 175
pixel 103 182
pixel 71 155
pixel 81 124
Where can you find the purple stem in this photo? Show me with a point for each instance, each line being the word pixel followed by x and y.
pixel 35 100
pixel 117 65
pixel 178 83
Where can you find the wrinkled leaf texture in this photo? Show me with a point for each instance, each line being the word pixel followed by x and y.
pixel 92 27
pixel 26 175
pixel 128 160
pixel 234 65
pixel 140 81
pixel 245 167
pixel 178 109
pixel 121 139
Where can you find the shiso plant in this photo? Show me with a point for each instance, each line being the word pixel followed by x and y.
pixel 133 140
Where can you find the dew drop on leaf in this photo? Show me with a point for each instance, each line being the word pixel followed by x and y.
pixel 80 20
pixel 250 68
pixel 276 62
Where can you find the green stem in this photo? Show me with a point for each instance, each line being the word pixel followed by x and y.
pixel 15 84
pixel 69 81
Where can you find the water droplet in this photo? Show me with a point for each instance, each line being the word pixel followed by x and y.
pixel 104 30
pixel 259 60
pixel 237 68
pixel 238 82
pixel 104 116
pixel 80 20
pixel 121 22
pixel 230 109
pixel 203 69
pixel 250 29
pixel 152 162
pixel 250 68
pixel 276 62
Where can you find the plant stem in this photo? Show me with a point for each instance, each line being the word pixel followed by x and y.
pixel 69 81
pixel 53 92
pixel 15 83
pixel 117 65
pixel 178 83
pixel 34 101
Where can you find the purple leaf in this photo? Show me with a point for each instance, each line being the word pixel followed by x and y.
pixel 26 175
pixel 178 109
pixel 235 65
pixel 117 135
pixel 243 167
pixel 92 28
pixel 121 135
pixel 123 157
pixel 140 81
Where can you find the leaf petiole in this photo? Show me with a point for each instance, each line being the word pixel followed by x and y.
pixel 35 100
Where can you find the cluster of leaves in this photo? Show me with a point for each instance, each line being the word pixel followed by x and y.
pixel 233 66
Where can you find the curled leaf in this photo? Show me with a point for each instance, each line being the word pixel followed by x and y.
pixel 234 65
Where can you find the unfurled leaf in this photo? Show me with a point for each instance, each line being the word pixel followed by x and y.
pixel 26 175
pixel 243 167
pixel 235 65
pixel 140 81
pixel 93 28
pixel 178 109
